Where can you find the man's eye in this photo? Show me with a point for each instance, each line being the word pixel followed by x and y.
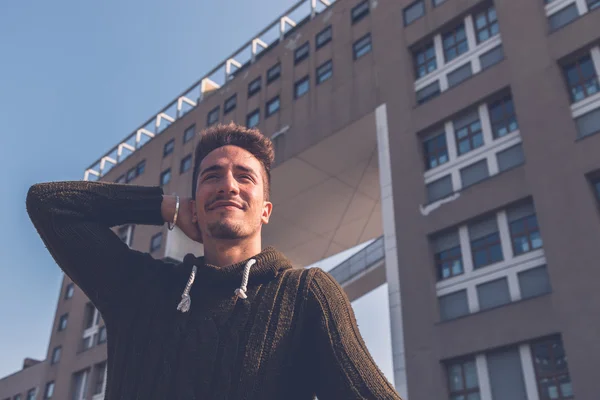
pixel 247 177
pixel 207 177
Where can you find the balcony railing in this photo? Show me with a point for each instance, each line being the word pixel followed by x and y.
pixel 359 262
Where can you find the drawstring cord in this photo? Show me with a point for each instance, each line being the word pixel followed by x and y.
pixel 241 291
pixel 186 300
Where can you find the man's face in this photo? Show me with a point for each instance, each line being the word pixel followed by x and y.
pixel 230 201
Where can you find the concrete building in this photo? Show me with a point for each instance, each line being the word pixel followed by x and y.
pixel 459 135
pixel 23 384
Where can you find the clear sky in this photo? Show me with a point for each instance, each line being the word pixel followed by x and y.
pixel 76 77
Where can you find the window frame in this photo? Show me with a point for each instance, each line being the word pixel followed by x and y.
pixel 274 99
pixel 484 244
pixel 319 72
pixel 166 172
pixel 471 134
pixel 181 163
pixel 456 45
pixel 273 76
pixel 437 152
pixel 506 119
pixel 581 82
pixel 189 133
pixel 540 375
pixel 254 86
pixel 329 30
pixel 70 288
pixel 216 110
pixel 64 317
pixel 53 358
pixel 227 107
pixel 169 148
pixel 360 11
pixel 440 261
pixel 488 27
pixel 356 50
pixel 424 49
pixel 152 240
pixel 49 388
pixel 252 114
pixel 304 47
pixel 465 392
pixel 304 79
pixel 411 5
pixel 526 233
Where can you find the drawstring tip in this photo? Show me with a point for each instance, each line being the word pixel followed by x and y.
pixel 184 304
pixel 241 293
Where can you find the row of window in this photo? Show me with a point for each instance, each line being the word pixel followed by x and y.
pixel 80 384
pixel 570 12
pixel 448 46
pixel 506 372
pixel 29 396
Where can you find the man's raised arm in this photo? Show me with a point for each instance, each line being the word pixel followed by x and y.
pixel 74 221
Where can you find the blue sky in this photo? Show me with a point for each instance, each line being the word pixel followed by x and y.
pixel 77 76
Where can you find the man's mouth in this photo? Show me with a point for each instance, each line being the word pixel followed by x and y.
pixel 225 204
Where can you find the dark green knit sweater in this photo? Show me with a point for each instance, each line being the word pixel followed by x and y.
pixel 294 337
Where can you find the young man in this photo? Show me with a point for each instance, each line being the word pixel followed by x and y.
pixel 237 323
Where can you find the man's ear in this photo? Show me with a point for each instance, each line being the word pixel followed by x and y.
pixel 266 212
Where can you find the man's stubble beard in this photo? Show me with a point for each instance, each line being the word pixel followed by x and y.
pixel 226 230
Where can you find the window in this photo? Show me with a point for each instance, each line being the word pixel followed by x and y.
pixel 62 322
pixel 486 247
pixel 492 57
pixel 593 4
pixel 454 305
pixel 230 104
pixel 437 2
pixel 506 374
pixel 439 189
pixel 324 37
pixel 31 394
pixel 413 12
pixel 362 46
pixel 435 151
pixel 455 43
pixel 102 335
pixel 534 282
pixel 588 124
pixel 467 130
pixel 486 24
pixel 428 92
pixel 301 53
pixel 459 75
pixel 462 380
pixel 524 230
pixel 581 78
pixel 89 312
pixel 273 73
pixel 80 384
pixel 186 164
pixel 254 87
pixel 212 117
pixel 189 133
pixel 503 117
pixel 301 87
pixel 448 255
pixel 155 242
pixel 99 372
pixel 493 294
pixel 120 179
pixel 253 119
pixel 360 11
pixel 551 369
pixel 165 177
pixel 136 171
pixel 272 106
pixel 474 173
pixel 69 290
pixel 49 390
pixel 425 61
pixel 510 158
pixel 169 147
pixel 563 17
pixel 55 355
pixel 86 343
pixel 324 71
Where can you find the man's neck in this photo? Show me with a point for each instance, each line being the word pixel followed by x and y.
pixel 222 253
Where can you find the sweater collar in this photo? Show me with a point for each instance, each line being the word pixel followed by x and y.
pixel 269 264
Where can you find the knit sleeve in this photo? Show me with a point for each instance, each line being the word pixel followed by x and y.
pixel 344 368
pixel 74 220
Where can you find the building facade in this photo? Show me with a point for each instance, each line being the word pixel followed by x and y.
pixel 463 133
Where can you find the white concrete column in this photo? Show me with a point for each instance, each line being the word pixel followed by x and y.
pixel 595 54
pixel 439 51
pixel 528 372
pixel 483 376
pixel 472 299
pixel 504 231
pixel 582 7
pixel 450 141
pixel 391 252
pixel 467 259
pixel 486 124
pixel 470 31
pixel 455 177
pixel 513 286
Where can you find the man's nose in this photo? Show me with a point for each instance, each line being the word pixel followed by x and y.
pixel 229 184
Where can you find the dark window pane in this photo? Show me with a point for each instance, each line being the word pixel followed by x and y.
pixel 213 117
pixel 493 294
pixel 563 17
pixel 253 119
pixel 413 12
pixel 506 374
pixel 360 11
pixel 503 117
pixel 593 4
pixel 273 106
pixel 435 151
pixel 511 157
pixel 455 43
pixel 492 57
pixel 428 92
pixel 301 87
pixel 324 72
pixel 230 104
pixel 439 189
pixel 474 173
pixel 425 61
pixel 189 134
pixel 323 37
pixel 274 72
pixel 362 46
pixel 589 123
pixel 302 53
pixel 254 87
pixel 581 79
pixel 459 75
pixel 453 305
pixel 534 282
pixel 486 24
